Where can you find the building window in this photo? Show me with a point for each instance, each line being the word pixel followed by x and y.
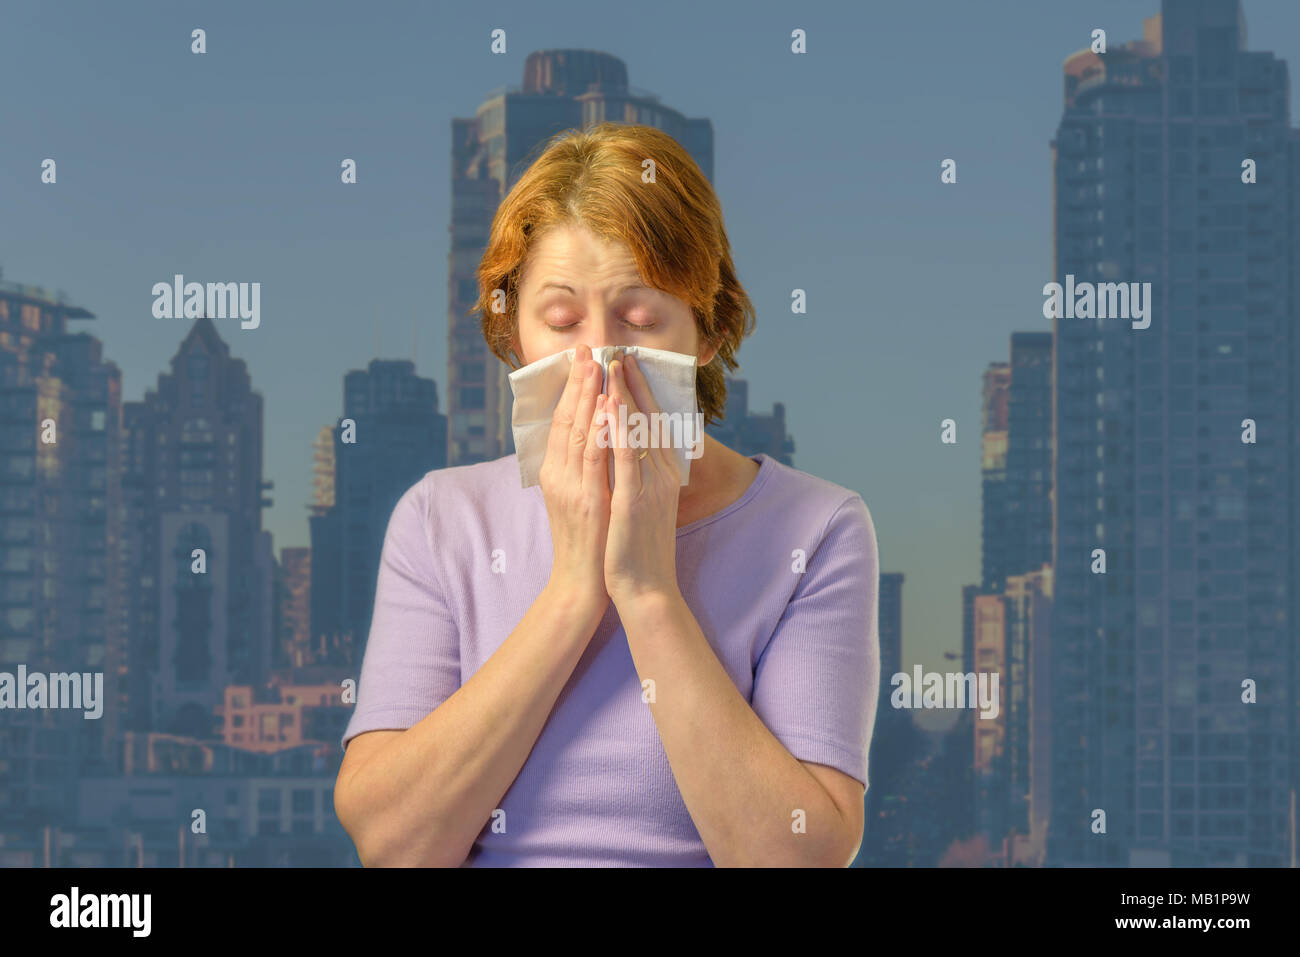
pixel 197 369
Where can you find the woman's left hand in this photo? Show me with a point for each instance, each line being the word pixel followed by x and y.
pixel 641 551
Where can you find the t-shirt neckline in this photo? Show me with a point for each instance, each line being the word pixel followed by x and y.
pixel 765 466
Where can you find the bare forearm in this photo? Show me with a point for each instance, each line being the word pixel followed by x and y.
pixel 743 789
pixel 423 798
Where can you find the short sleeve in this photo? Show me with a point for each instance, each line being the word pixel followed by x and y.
pixel 817 682
pixel 412 657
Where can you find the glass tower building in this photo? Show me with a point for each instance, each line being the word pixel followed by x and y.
pixel 1176 452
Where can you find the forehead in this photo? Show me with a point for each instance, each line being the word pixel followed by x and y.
pixel 566 252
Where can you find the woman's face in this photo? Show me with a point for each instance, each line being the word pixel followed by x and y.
pixel 578 289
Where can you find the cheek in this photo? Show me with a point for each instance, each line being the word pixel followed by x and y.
pixel 533 348
pixel 526 343
pixel 685 339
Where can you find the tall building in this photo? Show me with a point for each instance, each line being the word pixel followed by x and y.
pixel 322 471
pixel 295 607
pixel 562 89
pixel 1027 604
pixel 1017 461
pixel 1029 454
pixel 890 627
pixel 199 560
pixel 750 433
pixel 962 749
pixel 391 433
pixel 968 595
pixel 326 641
pixel 1031 597
pixel 994 499
pixel 1196 527
pixel 60 539
pixel 991 771
pixel 1015 541
pixel 893 740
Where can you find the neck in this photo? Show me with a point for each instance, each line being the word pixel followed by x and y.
pixel 706 471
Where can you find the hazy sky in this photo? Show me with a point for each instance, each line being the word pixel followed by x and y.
pixel 225 167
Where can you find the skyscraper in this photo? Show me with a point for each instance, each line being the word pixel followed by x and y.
pixel 894 740
pixel 60 534
pixel 391 433
pixel 1016 527
pixel 1016 541
pixel 750 433
pixel 994 500
pixel 1176 451
pixel 198 558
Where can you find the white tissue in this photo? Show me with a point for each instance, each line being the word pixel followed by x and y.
pixel 538 386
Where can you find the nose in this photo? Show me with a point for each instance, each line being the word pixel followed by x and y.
pixel 614 353
pixel 605 331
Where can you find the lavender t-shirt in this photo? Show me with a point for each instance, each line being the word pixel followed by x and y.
pixel 783 583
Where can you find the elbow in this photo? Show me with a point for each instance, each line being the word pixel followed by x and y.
pixel 838 855
pixel 844 850
pixel 840 852
pixel 378 845
pixel 854 845
pixel 357 822
pixel 349 819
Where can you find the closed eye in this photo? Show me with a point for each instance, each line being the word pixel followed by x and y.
pixel 642 326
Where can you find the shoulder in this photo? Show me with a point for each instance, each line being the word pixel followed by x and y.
pixel 825 508
pixel 469 505
pixel 456 490
pixel 465 504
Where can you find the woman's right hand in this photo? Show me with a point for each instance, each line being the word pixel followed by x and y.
pixel 575 484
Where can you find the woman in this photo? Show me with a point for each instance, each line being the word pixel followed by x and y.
pixel 643 674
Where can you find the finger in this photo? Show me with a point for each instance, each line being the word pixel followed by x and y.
pixel 595 473
pixel 618 390
pixel 639 386
pixel 582 419
pixel 651 460
pixel 661 451
pixel 627 470
pixel 617 375
pixel 557 441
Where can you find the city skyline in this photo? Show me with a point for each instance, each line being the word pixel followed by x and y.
pixel 270 209
pixel 1102 535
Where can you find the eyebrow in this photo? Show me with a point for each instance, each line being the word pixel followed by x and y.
pixel 569 289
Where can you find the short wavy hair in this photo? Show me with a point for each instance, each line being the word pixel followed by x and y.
pixel 672 227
